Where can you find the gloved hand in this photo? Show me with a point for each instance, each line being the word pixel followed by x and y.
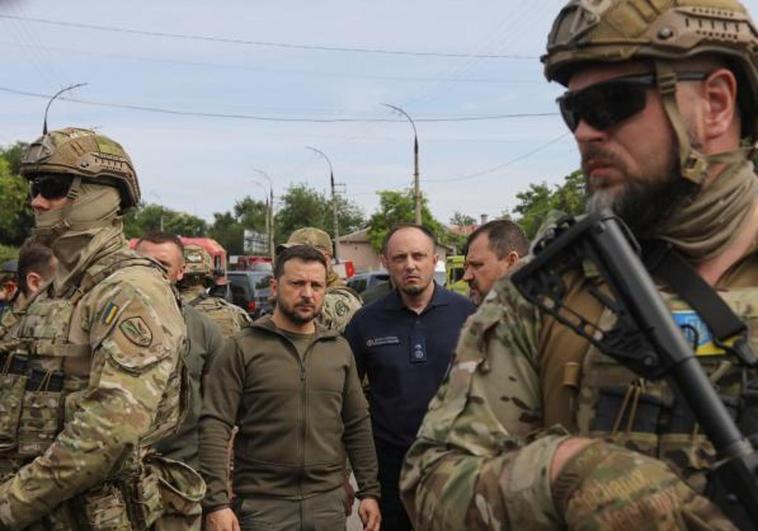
pixel 607 487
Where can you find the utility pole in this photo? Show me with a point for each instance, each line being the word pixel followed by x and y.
pixel 416 183
pixel 334 203
pixel 269 212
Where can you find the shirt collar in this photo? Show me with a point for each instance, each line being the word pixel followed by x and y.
pixel 394 301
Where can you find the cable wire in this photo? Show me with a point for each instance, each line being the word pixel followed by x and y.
pixel 163 110
pixel 270 44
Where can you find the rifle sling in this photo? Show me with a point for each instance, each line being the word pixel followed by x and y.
pixel 664 262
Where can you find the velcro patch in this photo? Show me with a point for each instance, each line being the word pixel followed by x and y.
pixel 109 313
pixel 136 330
pixel 381 341
pixel 697 333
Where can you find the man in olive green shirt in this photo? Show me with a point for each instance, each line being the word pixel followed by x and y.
pixel 205 341
pixel 292 388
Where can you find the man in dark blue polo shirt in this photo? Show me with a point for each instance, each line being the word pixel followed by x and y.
pixel 404 342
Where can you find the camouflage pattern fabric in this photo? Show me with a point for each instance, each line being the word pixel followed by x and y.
pixel 591 483
pixel 482 454
pixel 110 355
pixel 340 303
pixel 229 317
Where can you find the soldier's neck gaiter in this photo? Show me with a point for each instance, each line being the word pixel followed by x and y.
pixel 704 226
pixel 94 230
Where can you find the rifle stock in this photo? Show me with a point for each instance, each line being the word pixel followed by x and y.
pixel 646 340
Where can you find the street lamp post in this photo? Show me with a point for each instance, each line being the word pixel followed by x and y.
pixel 416 184
pixel 270 213
pixel 334 203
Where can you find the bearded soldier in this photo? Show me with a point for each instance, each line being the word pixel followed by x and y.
pixel 94 372
pixel 341 302
pixel 536 429
pixel 198 276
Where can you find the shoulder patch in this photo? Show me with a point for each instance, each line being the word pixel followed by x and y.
pixel 341 308
pixel 136 330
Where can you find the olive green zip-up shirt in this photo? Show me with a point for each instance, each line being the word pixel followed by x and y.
pixel 294 415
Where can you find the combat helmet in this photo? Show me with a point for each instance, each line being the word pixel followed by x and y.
pixel 609 31
pixel 309 236
pixel 198 262
pixel 86 156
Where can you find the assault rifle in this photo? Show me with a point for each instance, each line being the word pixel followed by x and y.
pixel 645 339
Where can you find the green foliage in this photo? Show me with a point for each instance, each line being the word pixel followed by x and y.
pixel 228 231
pixel 228 228
pixel 460 219
pixel 537 201
pixel 151 217
pixel 303 206
pixel 399 207
pixel 16 219
pixel 8 253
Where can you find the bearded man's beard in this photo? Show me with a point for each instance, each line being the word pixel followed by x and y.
pixel 644 203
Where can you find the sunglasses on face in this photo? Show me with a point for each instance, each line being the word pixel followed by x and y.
pixel 50 186
pixel 609 103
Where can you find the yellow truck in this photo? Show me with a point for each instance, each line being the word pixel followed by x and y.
pixel 454 267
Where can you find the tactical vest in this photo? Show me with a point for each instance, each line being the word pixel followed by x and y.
pixel 228 317
pixel 43 377
pixel 615 404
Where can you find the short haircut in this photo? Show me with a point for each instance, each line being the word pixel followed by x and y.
pixel 401 226
pixel 504 235
pixel 34 257
pixel 306 253
pixel 159 237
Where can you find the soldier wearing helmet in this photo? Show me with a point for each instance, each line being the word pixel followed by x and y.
pixel 533 427
pixel 193 289
pixel 93 373
pixel 340 302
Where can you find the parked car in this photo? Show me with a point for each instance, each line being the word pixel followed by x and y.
pixel 251 291
pixel 363 281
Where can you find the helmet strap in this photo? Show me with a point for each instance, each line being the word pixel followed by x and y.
pixel 692 163
pixel 73 193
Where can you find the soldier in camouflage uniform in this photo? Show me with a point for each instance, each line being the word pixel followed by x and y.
pixel 519 435
pixel 198 276
pixel 341 302
pixel 36 267
pixel 94 374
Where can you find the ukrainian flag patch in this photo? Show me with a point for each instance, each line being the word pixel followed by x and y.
pixel 109 313
pixel 697 333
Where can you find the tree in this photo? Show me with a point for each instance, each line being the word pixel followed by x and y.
pixel 399 207
pixel 228 228
pixel 303 206
pixel 16 219
pixel 461 220
pixel 228 231
pixel 537 201
pixel 152 217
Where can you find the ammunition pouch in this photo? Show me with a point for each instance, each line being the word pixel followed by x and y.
pixel 164 497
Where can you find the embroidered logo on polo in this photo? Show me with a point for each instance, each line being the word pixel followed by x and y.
pixel 697 333
pixel 382 341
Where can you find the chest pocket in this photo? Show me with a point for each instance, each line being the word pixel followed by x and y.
pixel 39 395
pixel 648 416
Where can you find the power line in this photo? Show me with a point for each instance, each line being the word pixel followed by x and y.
pixel 504 164
pixel 269 44
pixel 236 116
pixel 285 71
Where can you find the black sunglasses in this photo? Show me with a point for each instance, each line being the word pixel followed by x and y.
pixel 50 186
pixel 609 103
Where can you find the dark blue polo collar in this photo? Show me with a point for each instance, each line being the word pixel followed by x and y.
pixel 440 297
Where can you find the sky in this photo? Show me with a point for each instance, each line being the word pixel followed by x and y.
pixel 245 86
